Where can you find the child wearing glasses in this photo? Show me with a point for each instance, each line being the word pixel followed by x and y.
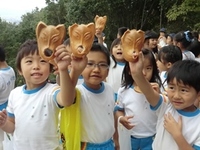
pixel 96 100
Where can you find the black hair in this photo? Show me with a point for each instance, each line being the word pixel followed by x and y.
pixel 27 48
pixel 121 31
pixel 171 35
pixel 116 41
pixel 186 72
pixel 2 54
pixel 185 38
pixel 195 48
pixel 67 42
pixel 97 47
pixel 127 79
pixel 195 34
pixel 150 34
pixel 170 54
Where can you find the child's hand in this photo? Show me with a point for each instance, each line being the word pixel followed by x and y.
pixel 125 122
pixel 62 58
pixel 173 127
pixel 78 64
pixel 3 117
pixel 155 86
pixel 136 67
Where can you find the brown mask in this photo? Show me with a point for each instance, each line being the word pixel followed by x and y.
pixel 48 38
pixel 100 23
pixel 81 38
pixel 132 43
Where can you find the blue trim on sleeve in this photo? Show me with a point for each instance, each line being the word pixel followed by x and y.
pixel 55 98
pixel 4 105
pixel 118 108
pixel 158 105
pixel 115 97
pixel 196 147
pixel 10 115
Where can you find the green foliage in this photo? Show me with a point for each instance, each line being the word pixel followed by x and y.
pixel 175 15
pixel 182 10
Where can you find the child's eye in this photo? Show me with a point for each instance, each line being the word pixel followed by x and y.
pixel 103 65
pixel 89 64
pixel 184 90
pixel 29 61
pixel 43 60
pixel 116 46
pixel 170 87
pixel 149 68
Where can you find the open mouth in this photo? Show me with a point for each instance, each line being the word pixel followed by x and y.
pixel 119 53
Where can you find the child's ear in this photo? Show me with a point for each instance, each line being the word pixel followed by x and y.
pixel 169 65
pixel 20 73
pixel 198 96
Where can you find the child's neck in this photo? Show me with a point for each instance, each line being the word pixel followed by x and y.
pixel 3 65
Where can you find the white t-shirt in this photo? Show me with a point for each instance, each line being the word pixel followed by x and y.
pixel 135 104
pixel 7 83
pixel 190 126
pixel 97 107
pixel 36 117
pixel 163 77
pixel 188 55
pixel 115 75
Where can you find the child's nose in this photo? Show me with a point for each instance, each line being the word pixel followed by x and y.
pixel 36 65
pixel 144 72
pixel 176 94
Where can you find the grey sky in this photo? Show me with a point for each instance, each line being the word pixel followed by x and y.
pixel 12 10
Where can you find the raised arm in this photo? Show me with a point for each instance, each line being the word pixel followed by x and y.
pixel 136 69
pixel 68 81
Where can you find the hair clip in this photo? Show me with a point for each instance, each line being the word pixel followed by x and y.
pixel 187 37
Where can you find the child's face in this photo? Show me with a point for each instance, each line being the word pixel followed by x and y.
pixel 161 65
pixel 153 43
pixel 35 70
pixel 93 76
pixel 117 53
pixel 181 96
pixel 169 40
pixel 147 69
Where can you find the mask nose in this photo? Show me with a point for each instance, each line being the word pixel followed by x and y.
pixel 80 48
pixel 48 52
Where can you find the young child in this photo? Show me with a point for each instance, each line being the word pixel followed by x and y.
pixel 133 109
pixel 116 67
pixel 167 56
pixel 32 112
pixel 183 40
pixel 178 118
pixel 7 83
pixel 170 37
pixel 151 41
pixel 114 80
pixel 96 100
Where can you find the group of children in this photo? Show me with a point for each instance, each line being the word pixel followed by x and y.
pixel 153 98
